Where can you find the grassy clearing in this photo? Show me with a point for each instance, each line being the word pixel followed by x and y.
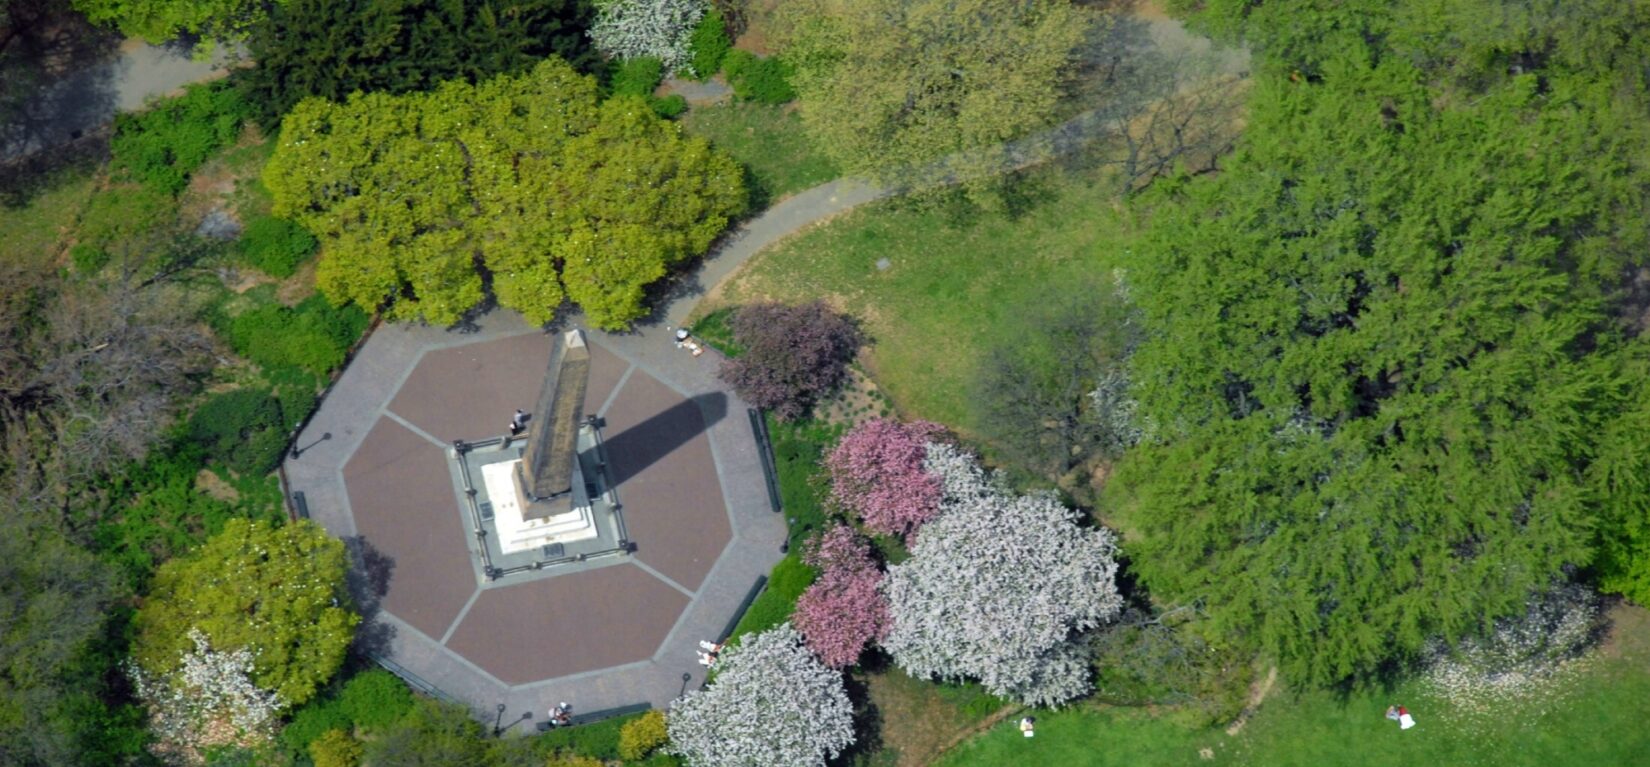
pixel 767 140
pixel 1595 717
pixel 38 229
pixel 954 281
pixel 798 448
pixel 920 719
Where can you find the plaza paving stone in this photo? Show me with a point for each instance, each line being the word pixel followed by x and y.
pixel 619 632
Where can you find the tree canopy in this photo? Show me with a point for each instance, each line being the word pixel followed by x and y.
pixel 274 590
pixel 997 587
pixel 771 703
pixel 332 48
pixel 158 21
pixel 884 84
pixel 54 602
pixel 554 194
pixel 1384 350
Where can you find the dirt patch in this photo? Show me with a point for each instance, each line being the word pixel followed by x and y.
pixel 919 723
pixel 1257 693
pixel 212 485
pixel 299 286
pixel 757 35
pixel 859 399
pixel 247 280
pixel 1629 626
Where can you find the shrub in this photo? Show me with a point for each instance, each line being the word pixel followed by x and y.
pixel 842 612
pixel 164 514
pixel 276 246
pixel 313 336
pixel 877 474
pixel 311 722
pixel 709 45
pixel 640 736
pixel 794 355
pixel 335 749
pixel 764 81
pixel 88 258
pixel 772 703
pixel 374 699
pixel 638 77
pixel 995 587
pixel 669 107
pixel 599 740
pixel 160 147
pixel 432 733
pixel 242 428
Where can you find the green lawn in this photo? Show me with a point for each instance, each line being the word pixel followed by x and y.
pixel 955 281
pixel 769 141
pixel 1599 718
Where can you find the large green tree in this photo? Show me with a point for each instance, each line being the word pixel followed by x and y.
pixel 1384 353
pixel 55 599
pixel 276 590
pixel 554 194
pixel 887 84
pixel 332 48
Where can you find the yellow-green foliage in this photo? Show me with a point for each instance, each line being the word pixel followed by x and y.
pixel 886 83
pixel 640 736
pixel 335 749
pixel 272 589
pixel 561 196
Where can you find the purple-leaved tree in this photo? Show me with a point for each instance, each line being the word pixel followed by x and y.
pixel 877 475
pixel 996 587
pixel 842 611
pixel 793 355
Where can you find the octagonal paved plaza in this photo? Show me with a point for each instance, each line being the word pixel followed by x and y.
pixel 375 470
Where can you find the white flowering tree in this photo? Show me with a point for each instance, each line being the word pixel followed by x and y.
pixel 771 704
pixel 630 29
pixel 997 586
pixel 210 700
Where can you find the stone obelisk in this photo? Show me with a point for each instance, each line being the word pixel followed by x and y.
pixel 549 466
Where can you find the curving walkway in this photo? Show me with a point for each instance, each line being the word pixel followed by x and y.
pixel 89 94
pixel 1165 60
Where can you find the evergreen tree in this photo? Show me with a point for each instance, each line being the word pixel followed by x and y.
pixel 1383 354
pixel 332 48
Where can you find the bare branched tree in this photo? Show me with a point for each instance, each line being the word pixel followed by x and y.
pixel 89 374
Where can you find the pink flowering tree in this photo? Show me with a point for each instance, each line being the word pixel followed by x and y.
pixel 877 475
pixel 842 611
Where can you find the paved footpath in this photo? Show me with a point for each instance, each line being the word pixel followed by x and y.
pixel 96 91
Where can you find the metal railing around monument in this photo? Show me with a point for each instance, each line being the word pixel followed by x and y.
pixel 493 573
